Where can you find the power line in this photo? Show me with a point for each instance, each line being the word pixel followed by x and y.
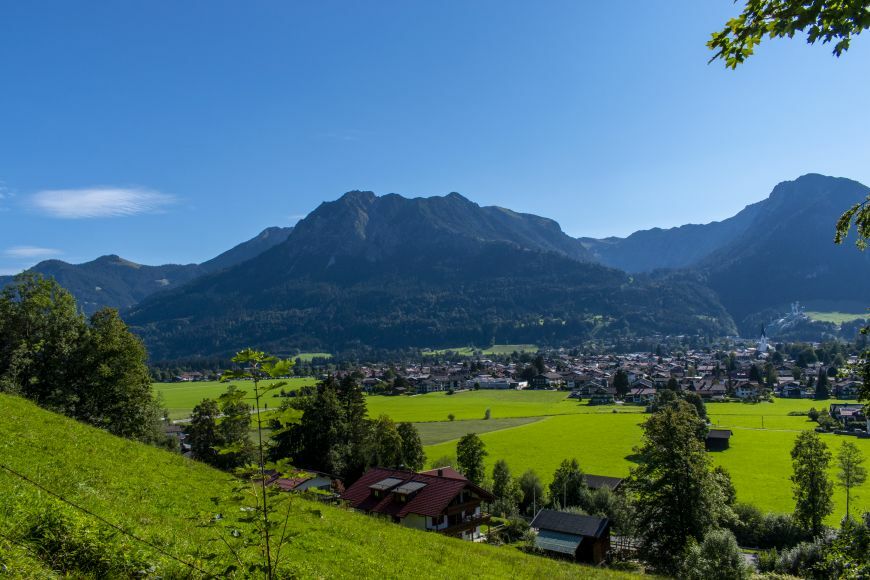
pixel 104 520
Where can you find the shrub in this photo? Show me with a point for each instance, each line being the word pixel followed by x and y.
pixel 753 528
pixel 804 560
pixel 717 556
pixel 767 560
pixel 813 414
pixel 827 422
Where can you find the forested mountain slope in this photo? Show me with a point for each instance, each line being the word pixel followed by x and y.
pixel 394 272
pixel 113 281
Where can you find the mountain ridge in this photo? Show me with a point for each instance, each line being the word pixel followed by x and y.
pixel 113 281
pixel 391 272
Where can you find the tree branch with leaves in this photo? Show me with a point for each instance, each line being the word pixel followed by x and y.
pixel 823 21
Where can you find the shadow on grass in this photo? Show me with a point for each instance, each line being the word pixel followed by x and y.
pixel 635 458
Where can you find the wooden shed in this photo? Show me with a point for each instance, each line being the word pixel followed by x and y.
pixel 717 439
pixel 584 538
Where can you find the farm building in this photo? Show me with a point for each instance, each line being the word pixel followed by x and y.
pixel 718 439
pixel 304 481
pixel 599 481
pixel 584 538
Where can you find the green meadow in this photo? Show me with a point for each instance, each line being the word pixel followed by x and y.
pixel 836 317
pixel 494 350
pixel 432 433
pixel 180 398
pixel 168 500
pixel 603 438
pixel 473 405
pixel 309 356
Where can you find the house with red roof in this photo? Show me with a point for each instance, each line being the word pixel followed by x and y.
pixel 440 500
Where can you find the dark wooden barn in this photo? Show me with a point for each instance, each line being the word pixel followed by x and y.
pixel 584 538
pixel 718 439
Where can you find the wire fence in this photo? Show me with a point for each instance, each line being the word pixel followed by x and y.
pixel 101 519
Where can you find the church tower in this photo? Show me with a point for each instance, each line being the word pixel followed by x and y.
pixel 762 341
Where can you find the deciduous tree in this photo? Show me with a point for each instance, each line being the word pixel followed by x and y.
pixel 568 487
pixel 533 492
pixel 470 453
pixel 822 20
pixel 413 456
pixel 234 426
pixel 385 443
pixel 93 371
pixel 812 489
pixel 202 432
pixel 717 557
pixel 852 472
pixel 677 498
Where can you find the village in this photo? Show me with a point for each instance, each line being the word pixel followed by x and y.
pixel 752 371
pixel 443 500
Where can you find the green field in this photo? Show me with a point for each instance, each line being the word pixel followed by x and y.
pixel 836 317
pixel 473 405
pixel 603 441
pixel 309 356
pixel 180 398
pixel 167 500
pixel 494 350
pixel 433 433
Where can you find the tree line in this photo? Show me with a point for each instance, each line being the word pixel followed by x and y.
pixel 328 430
pixel 91 369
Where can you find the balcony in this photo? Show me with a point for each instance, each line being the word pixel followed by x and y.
pixel 467 523
pixel 468 506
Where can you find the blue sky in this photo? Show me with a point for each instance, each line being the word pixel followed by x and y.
pixel 170 131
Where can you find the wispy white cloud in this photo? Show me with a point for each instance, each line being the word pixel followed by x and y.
pixel 97 202
pixel 30 252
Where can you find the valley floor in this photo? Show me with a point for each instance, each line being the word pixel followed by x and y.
pixel 602 438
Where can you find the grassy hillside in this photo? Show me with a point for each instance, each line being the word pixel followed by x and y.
pixel 167 500
pixel 496 349
pixel 835 317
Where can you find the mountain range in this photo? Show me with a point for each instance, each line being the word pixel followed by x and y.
pixel 396 272
pixel 771 253
pixel 113 281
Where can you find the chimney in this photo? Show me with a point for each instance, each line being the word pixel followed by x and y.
pixel 440 472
